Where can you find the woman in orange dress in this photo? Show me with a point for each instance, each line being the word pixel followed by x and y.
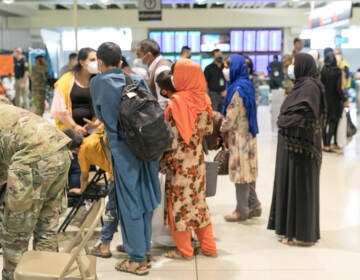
pixel 189 113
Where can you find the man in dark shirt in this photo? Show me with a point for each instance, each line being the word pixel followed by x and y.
pixel 215 80
pixel 21 79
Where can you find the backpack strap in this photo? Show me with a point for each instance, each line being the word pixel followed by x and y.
pixel 128 80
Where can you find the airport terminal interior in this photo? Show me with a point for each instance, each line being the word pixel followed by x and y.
pixel 259 29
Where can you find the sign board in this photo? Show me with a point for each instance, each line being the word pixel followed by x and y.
pixel 331 13
pixel 149 10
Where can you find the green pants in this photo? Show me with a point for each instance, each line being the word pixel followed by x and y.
pixel 38 95
pixel 35 197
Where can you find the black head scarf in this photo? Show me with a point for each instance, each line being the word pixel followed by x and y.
pixel 308 90
pixel 328 50
pixel 302 113
pixel 330 60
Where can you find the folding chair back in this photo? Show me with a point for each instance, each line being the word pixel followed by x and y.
pixel 39 265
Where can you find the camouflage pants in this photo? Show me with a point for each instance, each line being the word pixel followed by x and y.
pixel 22 94
pixel 38 95
pixel 35 197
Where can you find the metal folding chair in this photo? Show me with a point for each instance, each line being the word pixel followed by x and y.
pixel 93 193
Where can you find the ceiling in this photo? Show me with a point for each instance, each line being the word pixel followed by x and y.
pixel 29 7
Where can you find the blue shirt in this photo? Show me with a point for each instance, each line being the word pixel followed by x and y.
pixel 136 181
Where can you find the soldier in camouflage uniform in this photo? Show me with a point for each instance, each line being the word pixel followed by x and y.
pixel 287 60
pixel 34 163
pixel 38 84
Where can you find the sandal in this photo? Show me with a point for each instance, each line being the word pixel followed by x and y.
pixel 96 251
pixel 148 260
pixel 136 268
pixel 235 217
pixel 286 241
pixel 255 212
pixel 120 248
pixel 175 254
pixel 302 243
pixel 198 251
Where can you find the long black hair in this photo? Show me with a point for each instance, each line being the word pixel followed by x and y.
pixel 82 55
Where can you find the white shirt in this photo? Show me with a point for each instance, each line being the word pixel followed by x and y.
pixel 162 100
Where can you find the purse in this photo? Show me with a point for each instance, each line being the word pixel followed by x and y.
pixel 341 139
pixel 211 177
pixel 222 157
pixel 214 139
pixel 350 127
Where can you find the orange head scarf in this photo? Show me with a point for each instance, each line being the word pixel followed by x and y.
pixel 190 98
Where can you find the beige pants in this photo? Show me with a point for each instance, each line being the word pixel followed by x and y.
pixel 22 94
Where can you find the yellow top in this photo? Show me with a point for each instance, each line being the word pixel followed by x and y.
pixel 91 153
pixel 62 100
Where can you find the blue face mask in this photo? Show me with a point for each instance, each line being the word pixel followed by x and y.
pixel 291 72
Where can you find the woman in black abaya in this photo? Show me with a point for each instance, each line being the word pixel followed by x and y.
pixel 294 213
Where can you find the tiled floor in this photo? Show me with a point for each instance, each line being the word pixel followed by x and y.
pixel 249 251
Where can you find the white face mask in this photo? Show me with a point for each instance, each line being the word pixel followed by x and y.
pixel 226 73
pixel 92 67
pixel 138 63
pixel 172 81
pixel 291 72
pixel 338 57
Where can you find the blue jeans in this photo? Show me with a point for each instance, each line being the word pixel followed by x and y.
pixel 110 217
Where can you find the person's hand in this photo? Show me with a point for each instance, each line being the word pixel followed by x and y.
pixel 81 130
pixel 76 191
pixel 223 93
pixel 90 124
pixel 346 104
pixel 22 85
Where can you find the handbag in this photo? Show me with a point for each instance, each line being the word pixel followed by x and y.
pixel 214 139
pixel 350 127
pixel 211 177
pixel 222 157
pixel 341 139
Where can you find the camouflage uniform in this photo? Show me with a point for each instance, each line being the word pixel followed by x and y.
pixel 288 83
pixel 34 163
pixel 38 84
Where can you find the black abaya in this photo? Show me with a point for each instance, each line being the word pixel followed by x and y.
pixel 295 203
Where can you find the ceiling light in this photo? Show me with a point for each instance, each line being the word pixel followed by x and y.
pixel 8 1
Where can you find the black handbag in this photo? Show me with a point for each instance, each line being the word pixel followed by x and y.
pixel 222 157
pixel 350 127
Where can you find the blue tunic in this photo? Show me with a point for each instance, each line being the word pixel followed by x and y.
pixel 136 182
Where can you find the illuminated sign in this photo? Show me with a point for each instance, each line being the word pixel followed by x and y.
pixel 330 13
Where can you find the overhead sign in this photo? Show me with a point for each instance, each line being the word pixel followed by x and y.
pixel 149 10
pixel 330 13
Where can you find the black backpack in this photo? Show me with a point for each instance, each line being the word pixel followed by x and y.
pixel 142 121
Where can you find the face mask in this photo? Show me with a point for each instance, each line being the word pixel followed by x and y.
pixel 92 67
pixel 226 73
pixel 291 72
pixel 138 63
pixel 338 57
pixel 143 59
pixel 172 81
pixel 219 59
